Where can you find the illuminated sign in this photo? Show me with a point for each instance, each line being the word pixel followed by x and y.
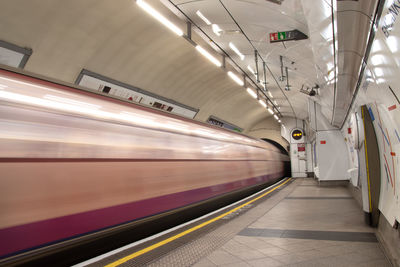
pixel 286 36
pixel 297 134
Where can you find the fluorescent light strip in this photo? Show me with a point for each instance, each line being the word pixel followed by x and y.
pixel 279 121
pixel 251 92
pixel 270 110
pixel 208 56
pixel 216 29
pixel 262 103
pixel 270 95
pixel 203 17
pixel 276 117
pixel 235 78
pixel 251 70
pixel 155 14
pixel 234 48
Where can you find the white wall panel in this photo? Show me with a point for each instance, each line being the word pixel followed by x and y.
pixel 332 156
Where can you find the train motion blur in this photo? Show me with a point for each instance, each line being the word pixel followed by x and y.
pixel 75 163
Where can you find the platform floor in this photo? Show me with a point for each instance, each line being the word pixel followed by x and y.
pixel 310 226
pixel 302 224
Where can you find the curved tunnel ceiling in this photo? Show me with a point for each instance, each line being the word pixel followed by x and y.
pixel 119 40
pixel 247 25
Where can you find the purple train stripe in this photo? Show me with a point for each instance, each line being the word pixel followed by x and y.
pixel 32 235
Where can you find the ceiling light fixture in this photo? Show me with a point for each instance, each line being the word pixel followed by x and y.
pixel 279 121
pixel 378 72
pixel 270 95
pixel 262 84
pixel 208 56
pixel 276 117
pixel 216 29
pixel 155 14
pixel 270 110
pixel 234 48
pixel 262 103
pixel 203 17
pixel 251 92
pixel 235 78
pixel 251 70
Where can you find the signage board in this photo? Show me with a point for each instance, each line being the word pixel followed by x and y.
pixel 301 147
pixel 221 123
pixel 286 36
pixel 132 94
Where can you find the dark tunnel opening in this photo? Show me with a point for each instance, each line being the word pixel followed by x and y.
pixel 277 145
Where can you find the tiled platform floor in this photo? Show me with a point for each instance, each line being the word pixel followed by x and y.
pixel 302 206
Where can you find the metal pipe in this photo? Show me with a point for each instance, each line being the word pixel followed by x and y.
pixel 287 79
pixel 265 75
pixel 256 59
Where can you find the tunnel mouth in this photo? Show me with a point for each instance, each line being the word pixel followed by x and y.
pixel 277 145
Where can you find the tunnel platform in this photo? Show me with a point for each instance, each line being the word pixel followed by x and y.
pixel 296 223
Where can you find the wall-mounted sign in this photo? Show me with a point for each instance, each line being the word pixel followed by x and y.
pixel 301 147
pixel 286 36
pixel 13 55
pixel 221 123
pixel 297 134
pixel 132 94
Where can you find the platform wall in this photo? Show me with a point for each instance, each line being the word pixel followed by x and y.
pixel 380 91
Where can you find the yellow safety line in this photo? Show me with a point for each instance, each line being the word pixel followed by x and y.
pixel 366 160
pixel 168 240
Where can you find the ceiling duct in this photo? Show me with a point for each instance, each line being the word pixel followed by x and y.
pixel 354 22
pixel 339 33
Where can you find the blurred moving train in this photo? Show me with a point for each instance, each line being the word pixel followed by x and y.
pixel 77 166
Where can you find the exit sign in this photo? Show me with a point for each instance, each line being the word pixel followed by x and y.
pixel 286 36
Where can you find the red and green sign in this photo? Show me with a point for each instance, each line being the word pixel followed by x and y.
pixel 286 36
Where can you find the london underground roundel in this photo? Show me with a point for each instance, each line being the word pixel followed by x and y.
pixel 297 134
